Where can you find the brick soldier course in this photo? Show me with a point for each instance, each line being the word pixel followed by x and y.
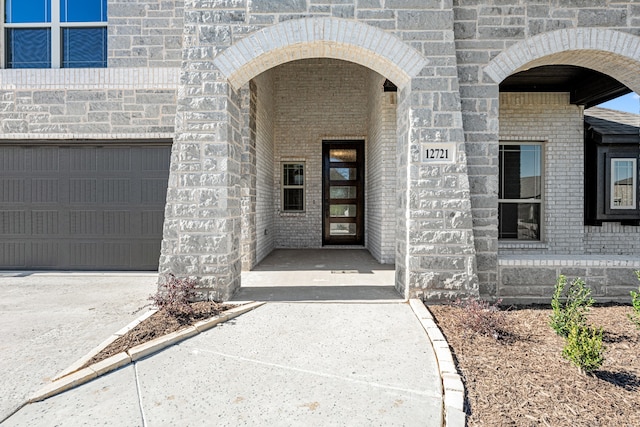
pixel 243 86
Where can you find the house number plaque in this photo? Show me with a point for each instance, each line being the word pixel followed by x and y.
pixel 439 152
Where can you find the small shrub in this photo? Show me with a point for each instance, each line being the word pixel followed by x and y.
pixel 575 307
pixel 584 348
pixel 635 302
pixel 175 295
pixel 482 318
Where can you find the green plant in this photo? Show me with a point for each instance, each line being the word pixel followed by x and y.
pixel 175 295
pixel 574 309
pixel 635 302
pixel 482 318
pixel 584 347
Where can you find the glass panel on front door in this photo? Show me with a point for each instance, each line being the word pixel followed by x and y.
pixel 343 192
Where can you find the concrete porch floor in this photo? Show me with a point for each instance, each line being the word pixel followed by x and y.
pixel 319 275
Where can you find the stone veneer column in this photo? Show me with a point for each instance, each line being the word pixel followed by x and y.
pixel 436 255
pixel 202 228
pixel 440 244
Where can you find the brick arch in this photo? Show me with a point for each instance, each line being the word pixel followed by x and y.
pixel 320 37
pixel 610 52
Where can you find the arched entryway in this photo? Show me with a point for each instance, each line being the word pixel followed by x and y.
pixel 560 181
pixel 270 106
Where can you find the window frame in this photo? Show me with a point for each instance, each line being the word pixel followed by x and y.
pixel 284 187
pixel 540 201
pixel 56 26
pixel 609 194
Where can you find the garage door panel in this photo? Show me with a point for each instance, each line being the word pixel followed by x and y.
pixel 117 255
pixel 154 191
pixel 44 159
pixel 12 190
pixel 12 159
pixel 146 254
pixel 13 222
pixel 115 159
pixel 84 255
pixel 45 190
pixel 45 223
pixel 84 223
pixel 45 254
pixel 155 159
pixel 116 191
pixel 117 223
pixel 82 159
pixel 83 191
pixel 12 254
pixel 152 222
pixel 82 207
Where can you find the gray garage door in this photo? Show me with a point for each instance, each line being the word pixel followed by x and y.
pixel 82 207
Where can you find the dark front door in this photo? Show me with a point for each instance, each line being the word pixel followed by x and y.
pixel 343 192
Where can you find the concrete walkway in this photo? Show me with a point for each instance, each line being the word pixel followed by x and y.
pixel 281 364
pixel 319 275
pixel 335 345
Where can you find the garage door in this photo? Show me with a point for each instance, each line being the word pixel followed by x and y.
pixel 98 207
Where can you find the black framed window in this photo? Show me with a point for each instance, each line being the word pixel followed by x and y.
pixel 55 33
pixel 293 187
pixel 623 183
pixel 520 191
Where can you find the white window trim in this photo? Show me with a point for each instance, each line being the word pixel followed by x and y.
pixel 56 30
pixel 634 182
pixel 285 187
pixel 530 200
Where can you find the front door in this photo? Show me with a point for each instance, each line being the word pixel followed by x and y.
pixel 343 192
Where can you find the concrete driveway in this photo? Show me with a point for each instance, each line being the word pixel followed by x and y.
pixel 49 320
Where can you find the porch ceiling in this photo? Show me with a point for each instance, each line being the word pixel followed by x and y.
pixel 586 87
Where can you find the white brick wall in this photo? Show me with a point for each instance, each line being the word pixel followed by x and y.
pixel 265 212
pixel 381 171
pixel 549 118
pixel 314 100
pixel 612 238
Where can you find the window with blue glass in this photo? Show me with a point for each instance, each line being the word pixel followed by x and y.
pixel 55 33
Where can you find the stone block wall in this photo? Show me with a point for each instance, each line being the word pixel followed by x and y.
pixel 549 118
pixel 529 279
pixel 88 103
pixel 145 33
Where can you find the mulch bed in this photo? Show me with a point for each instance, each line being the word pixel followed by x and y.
pixel 524 381
pixel 159 324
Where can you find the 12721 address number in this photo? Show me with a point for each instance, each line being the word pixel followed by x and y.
pixel 440 153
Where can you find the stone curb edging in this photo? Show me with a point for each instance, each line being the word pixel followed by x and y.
pixel 452 385
pixel 73 376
